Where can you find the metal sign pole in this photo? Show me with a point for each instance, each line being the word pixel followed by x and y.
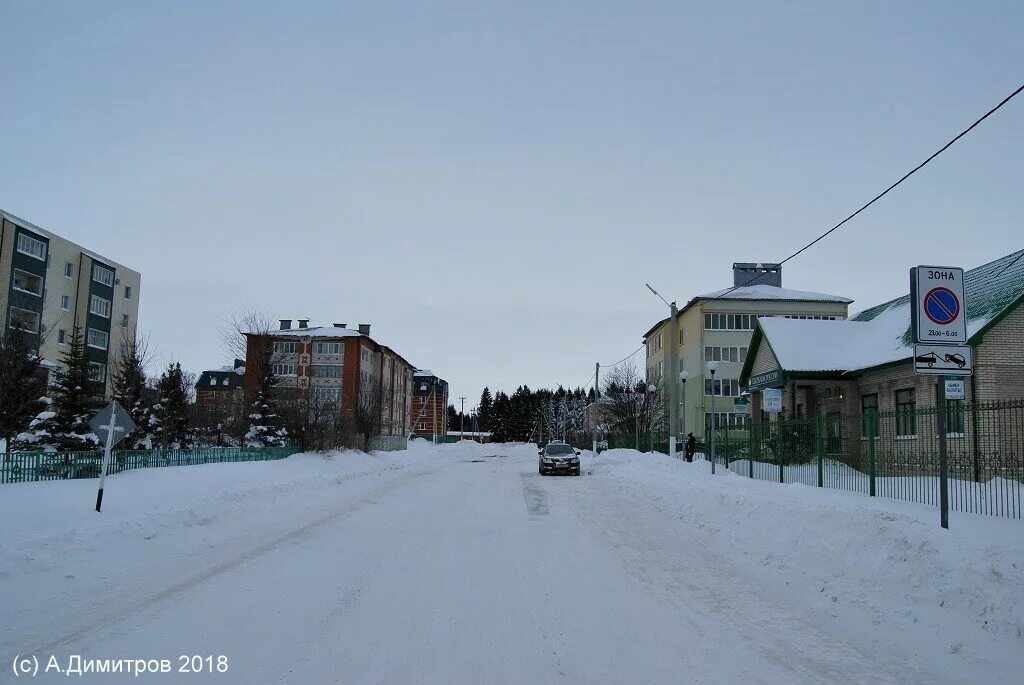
pixel 943 456
pixel 106 457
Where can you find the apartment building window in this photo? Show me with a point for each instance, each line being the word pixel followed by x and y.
pixel 97 372
pixel 62 337
pixel 869 415
pixel 327 348
pixel 65 302
pixel 906 420
pixel 24 320
pixel 326 371
pixel 725 354
pixel 329 394
pixel 28 283
pixel 286 347
pixel 124 321
pixel 102 274
pixel 100 306
pixel 724 420
pixel 32 247
pixel 127 292
pixel 69 269
pixel 722 387
pixel 809 316
pixel 97 339
pixel 680 337
pixel 122 349
pixel 283 369
pixel 729 322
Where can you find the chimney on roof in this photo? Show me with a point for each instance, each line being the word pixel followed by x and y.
pixel 759 273
pixel 341 325
pixel 364 329
pixel 303 323
pixel 239 363
pixel 286 324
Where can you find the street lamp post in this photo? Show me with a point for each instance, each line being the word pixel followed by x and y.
pixel 683 376
pixel 712 367
pixel 673 387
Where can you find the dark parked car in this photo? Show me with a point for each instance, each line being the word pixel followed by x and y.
pixel 559 457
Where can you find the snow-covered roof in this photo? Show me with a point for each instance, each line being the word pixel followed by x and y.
pixel 881 334
pixel 771 292
pixel 423 372
pixel 318 332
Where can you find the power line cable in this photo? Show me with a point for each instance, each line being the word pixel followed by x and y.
pixel 886 191
pixel 626 358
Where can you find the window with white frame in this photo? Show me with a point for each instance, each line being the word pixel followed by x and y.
pixel 283 369
pixel 725 420
pixel 722 387
pixel 286 347
pixel 28 283
pixel 65 302
pixel 96 338
pixel 327 348
pixel 326 371
pixel 725 354
pixel 729 322
pixel 100 306
pixel 62 337
pixel 69 269
pixel 127 292
pixel 31 246
pixel 102 274
pixel 24 320
pixel 97 372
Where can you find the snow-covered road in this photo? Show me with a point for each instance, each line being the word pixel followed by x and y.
pixel 455 565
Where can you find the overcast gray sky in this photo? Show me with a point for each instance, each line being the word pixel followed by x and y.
pixel 490 185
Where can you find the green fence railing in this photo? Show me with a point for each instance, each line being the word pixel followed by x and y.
pixel 22 467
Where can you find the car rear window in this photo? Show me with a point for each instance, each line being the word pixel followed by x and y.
pixel 560 449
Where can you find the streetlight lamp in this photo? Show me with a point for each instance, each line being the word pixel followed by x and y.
pixel 683 376
pixel 712 367
pixel 673 388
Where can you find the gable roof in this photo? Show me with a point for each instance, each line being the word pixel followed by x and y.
pixel 881 334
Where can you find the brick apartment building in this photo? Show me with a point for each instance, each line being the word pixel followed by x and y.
pixel 218 394
pixel 429 404
pixel 339 363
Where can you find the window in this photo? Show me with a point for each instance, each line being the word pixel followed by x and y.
pixel 102 274
pixel 729 322
pixel 326 371
pixel 284 369
pixel 680 337
pixel 869 415
pixel 124 321
pixel 289 347
pixel 724 420
pixel 97 339
pixel 32 247
pixel 834 432
pixel 906 420
pixel 327 348
pixel 122 349
pixel 213 380
pixel 62 337
pixel 24 320
pixel 723 387
pixel 65 302
pixel 100 306
pixel 69 269
pixel 28 283
pixel 725 354
pixel 97 372
pixel 127 292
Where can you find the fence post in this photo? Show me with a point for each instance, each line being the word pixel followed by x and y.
pixel 750 450
pixel 820 445
pixel 782 433
pixel 871 453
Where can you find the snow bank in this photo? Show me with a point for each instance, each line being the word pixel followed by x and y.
pixel 855 553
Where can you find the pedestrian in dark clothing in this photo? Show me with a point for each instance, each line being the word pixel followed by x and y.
pixel 691 445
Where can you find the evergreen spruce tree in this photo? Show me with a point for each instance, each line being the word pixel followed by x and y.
pixel 129 384
pixel 265 429
pixel 63 426
pixel 484 410
pixel 170 414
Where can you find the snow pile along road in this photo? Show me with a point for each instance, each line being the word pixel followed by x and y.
pixel 852 556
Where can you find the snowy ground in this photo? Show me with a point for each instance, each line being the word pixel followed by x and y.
pixel 461 564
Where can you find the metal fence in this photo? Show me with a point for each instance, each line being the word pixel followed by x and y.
pixel 893 454
pixel 22 467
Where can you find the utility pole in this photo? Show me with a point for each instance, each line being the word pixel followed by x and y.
pixel 462 418
pixel 593 409
pixel 673 378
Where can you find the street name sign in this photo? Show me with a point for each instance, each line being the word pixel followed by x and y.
pixel 937 309
pixel 944 360
pixel 956 389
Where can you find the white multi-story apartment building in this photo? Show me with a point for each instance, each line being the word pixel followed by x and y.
pixel 718 326
pixel 50 285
